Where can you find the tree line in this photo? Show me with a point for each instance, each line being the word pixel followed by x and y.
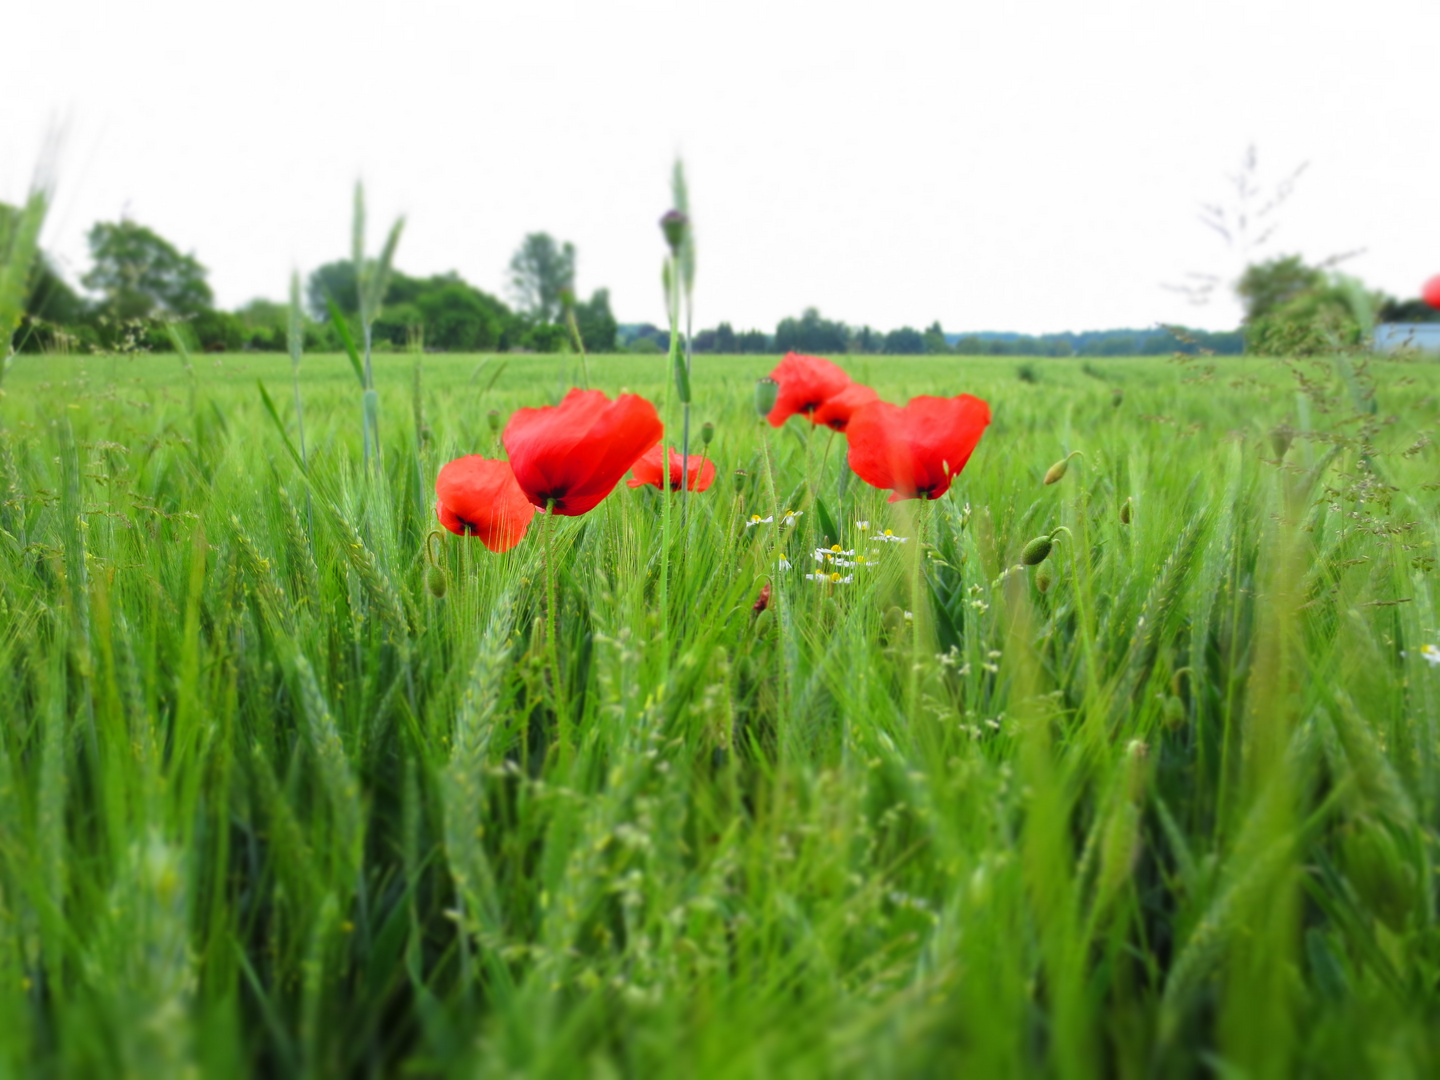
pixel 139 285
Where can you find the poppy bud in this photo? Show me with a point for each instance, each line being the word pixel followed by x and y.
pixel 707 433
pixel 1116 397
pixel 763 623
pixel 1037 551
pixel 1173 712
pixel 436 582
pixel 740 477
pixel 1044 577
pixel 1280 439
pixel 763 600
pixel 766 391
pixel 1056 472
pixel 673 225
pixel 493 417
pixel 1126 512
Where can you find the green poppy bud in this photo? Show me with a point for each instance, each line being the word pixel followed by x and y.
pixel 436 582
pixel 1126 512
pixel 493 416
pixel 1044 577
pixel 1056 472
pixel 1037 551
pixel 1280 438
pixel 1116 397
pixel 741 476
pixel 673 225
pixel 707 433
pixel 766 391
pixel 1173 713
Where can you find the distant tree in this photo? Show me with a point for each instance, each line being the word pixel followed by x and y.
pixel 540 273
pixel 1266 286
pixel 934 340
pixel 907 341
pixel 866 340
pixel 456 317
pixel 333 281
pixel 753 343
pixel 140 274
pixel 1407 311
pixel 596 323
pixel 265 325
pixel 811 334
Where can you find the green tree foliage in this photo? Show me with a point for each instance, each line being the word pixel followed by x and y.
pixel 934 340
pixel 811 333
pixel 906 341
pixel 456 316
pixel 540 273
pixel 1407 311
pixel 141 274
pixel 1267 286
pixel 596 322
pixel 333 281
pixel 1292 309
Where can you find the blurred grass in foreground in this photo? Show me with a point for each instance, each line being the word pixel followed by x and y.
pixel 267 804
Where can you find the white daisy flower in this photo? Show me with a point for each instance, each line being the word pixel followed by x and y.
pixel 862 525
pixel 833 579
pixel 888 537
pixel 788 518
pixel 756 519
pixel 1430 654
pixel 784 563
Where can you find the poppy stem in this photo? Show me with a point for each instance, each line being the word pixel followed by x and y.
pixel 552 646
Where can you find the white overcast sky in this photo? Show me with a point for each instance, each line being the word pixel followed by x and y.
pixel 1023 166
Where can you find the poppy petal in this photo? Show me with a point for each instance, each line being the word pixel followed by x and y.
pixel 480 497
pixel 835 412
pixel 806 383
pixel 916 451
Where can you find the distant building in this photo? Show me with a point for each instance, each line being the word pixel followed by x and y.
pixel 1423 337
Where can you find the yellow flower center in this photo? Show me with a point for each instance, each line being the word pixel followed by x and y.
pixel 835 577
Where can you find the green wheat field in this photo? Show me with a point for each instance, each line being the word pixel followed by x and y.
pixel 270 806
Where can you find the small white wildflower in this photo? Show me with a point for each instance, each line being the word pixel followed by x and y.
pixel 862 525
pixel 784 563
pixel 833 579
pixel 788 518
pixel 756 519
pixel 909 616
pixel 1430 654
pixel 889 537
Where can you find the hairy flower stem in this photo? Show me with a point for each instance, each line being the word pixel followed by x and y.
pixel 552 621
pixel 777 600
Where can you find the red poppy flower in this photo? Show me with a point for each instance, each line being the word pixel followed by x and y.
pixel 1430 293
pixel 574 453
pixel 915 451
pixel 479 497
pixel 699 472
pixel 835 412
pixel 806 383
